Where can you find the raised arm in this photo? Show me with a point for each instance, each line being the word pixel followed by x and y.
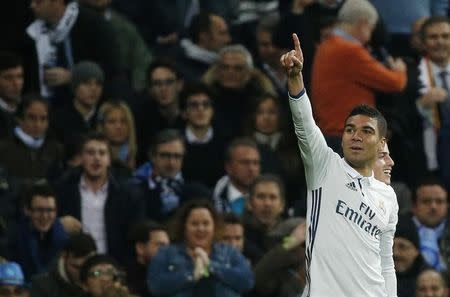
pixel 314 150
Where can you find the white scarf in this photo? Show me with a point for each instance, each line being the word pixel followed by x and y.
pixel 197 53
pixel 33 143
pixel 46 41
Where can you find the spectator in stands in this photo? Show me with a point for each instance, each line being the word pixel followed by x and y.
pixel 91 195
pixel 233 231
pixel 81 116
pixel 158 107
pixel 64 278
pixel 398 21
pixel 30 152
pixel 134 56
pixel 277 144
pixel 203 266
pixel 343 70
pixel 159 182
pixel 236 82
pixel 12 281
pixel 407 258
pixel 62 35
pixel 430 208
pixel 101 277
pixel 116 121
pixel 208 33
pixel 431 283
pixel 242 166
pixel 39 236
pixel 11 84
pixel 203 140
pixel 433 104
pixel 146 239
pixel 265 205
pixel 281 271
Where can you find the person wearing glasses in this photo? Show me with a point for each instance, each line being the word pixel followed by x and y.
pixel 204 141
pixel 12 281
pixel 159 182
pixel 39 237
pixel 100 277
pixel 157 107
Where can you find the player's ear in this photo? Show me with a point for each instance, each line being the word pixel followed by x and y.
pixel 382 144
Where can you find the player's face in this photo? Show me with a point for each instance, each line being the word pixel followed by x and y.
pixel 383 166
pixel 430 284
pixel 431 205
pixel 361 141
pixel 405 253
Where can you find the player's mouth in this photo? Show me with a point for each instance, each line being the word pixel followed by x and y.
pixel 356 148
pixel 387 172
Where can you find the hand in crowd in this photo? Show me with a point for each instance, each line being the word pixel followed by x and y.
pixel 433 96
pixel 57 76
pixel 71 224
pixel 396 64
pixel 117 290
pixel 201 262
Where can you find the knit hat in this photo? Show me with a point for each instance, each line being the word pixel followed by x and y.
pixel 407 230
pixel 85 71
pixel 11 274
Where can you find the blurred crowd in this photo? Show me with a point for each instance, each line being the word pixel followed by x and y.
pixel 146 147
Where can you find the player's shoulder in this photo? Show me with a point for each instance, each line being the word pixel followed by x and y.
pixel 382 187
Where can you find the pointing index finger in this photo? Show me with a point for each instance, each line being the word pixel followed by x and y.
pixel 296 43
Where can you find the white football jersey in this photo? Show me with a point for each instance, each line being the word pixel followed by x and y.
pixel 350 220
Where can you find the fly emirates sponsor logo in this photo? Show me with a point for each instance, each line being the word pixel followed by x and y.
pixel 362 217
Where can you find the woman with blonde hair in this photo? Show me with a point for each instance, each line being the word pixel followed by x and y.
pixel 116 121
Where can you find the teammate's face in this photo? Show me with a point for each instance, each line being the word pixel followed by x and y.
pixel 405 253
pixel 430 284
pixel 361 141
pixel 383 166
pixel 431 205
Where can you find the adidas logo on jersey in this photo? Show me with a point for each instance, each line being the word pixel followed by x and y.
pixel 351 186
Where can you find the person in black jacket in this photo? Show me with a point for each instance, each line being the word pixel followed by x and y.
pixel 92 196
pixel 62 35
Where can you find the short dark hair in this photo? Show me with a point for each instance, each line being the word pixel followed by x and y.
pixel 139 233
pixel 161 63
pixel 9 60
pixel 38 188
pixel 80 245
pixel 93 136
pixel 428 180
pixel 373 113
pixel 240 141
pixel 193 89
pixel 179 224
pixel 27 101
pixel 200 23
pixel 231 219
pixel 165 136
pixel 94 261
pixel 268 178
pixel 431 21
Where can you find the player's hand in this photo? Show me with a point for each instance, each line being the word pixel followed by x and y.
pixel 293 60
pixel 57 76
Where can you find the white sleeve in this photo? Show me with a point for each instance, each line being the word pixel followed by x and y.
pixel 314 150
pixel 387 260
